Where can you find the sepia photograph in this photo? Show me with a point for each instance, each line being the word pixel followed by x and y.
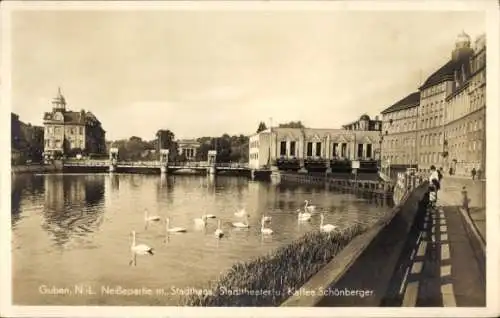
pixel 331 156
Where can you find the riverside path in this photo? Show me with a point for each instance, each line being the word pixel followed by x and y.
pixel 444 265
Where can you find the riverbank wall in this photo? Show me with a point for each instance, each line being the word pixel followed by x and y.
pixel 360 275
pixel 41 168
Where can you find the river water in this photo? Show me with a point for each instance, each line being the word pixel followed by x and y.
pixel 71 234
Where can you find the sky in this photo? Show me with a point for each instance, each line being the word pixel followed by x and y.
pixel 205 73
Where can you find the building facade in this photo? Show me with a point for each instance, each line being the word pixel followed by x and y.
pixel 69 132
pixel 188 148
pixel 304 146
pixel 399 132
pixel 446 126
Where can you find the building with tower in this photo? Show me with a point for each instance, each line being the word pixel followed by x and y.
pixel 69 133
pixel 448 120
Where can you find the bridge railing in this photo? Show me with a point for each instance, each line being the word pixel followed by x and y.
pixel 187 164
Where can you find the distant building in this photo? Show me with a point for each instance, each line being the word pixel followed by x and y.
pixel 311 145
pixel 188 148
pixel 399 131
pixel 68 132
pixel 365 123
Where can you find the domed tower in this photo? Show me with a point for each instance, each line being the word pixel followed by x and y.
pixel 364 122
pixel 58 102
pixel 462 47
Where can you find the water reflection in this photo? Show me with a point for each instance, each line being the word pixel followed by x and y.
pixel 89 232
pixel 73 206
pixel 24 185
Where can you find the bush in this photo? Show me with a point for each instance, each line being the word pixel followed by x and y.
pixel 285 270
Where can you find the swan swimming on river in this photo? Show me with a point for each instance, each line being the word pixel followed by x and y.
pixel 139 249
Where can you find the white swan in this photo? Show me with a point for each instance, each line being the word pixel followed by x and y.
pixel 304 216
pixel 174 229
pixel 141 249
pixel 263 229
pixel 241 224
pixel 267 218
pixel 149 218
pixel 310 208
pixel 201 221
pixel 241 213
pixel 326 227
pixel 218 233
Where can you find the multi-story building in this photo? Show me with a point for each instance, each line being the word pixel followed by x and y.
pixel 448 120
pixel 311 148
pixel 364 123
pixel 451 132
pixel 399 132
pixel 68 132
pixel 465 131
pixel 188 148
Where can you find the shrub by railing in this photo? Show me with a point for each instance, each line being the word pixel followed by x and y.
pixel 278 274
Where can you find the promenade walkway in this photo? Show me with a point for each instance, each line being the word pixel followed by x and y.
pixel 445 265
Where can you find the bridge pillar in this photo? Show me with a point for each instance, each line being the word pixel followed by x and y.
pixel 113 159
pixel 275 175
pixel 212 154
pixel 302 166
pixel 164 160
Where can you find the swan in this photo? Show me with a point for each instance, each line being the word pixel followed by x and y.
pixel 241 224
pixel 326 227
pixel 141 249
pixel 304 216
pixel 149 218
pixel 174 229
pixel 263 229
pixel 218 233
pixel 241 213
pixel 201 221
pixel 308 207
pixel 267 218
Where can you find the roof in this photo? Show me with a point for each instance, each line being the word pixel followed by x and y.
pixel 446 72
pixel 409 101
pixel 71 117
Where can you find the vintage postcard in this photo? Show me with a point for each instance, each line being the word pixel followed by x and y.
pixel 249 158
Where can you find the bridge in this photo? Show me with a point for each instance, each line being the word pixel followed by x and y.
pixel 156 164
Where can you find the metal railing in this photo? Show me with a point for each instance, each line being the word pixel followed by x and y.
pixel 186 164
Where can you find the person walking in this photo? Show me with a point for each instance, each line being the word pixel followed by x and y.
pixel 473 172
pixel 434 182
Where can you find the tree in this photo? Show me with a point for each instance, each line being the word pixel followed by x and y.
pixel 262 127
pixel 292 124
pixel 166 140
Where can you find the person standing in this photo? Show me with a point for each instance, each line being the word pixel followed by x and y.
pixel 434 181
pixel 473 172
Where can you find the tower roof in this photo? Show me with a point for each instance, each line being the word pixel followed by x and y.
pixel 59 99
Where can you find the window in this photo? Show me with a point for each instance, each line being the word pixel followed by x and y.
pixel 318 149
pixel 335 150
pixel 360 150
pixel 292 148
pixel 369 150
pixel 309 149
pixel 283 148
pixel 80 130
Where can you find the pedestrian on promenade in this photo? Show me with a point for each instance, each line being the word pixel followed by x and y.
pixel 479 174
pixel 473 172
pixel 434 181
